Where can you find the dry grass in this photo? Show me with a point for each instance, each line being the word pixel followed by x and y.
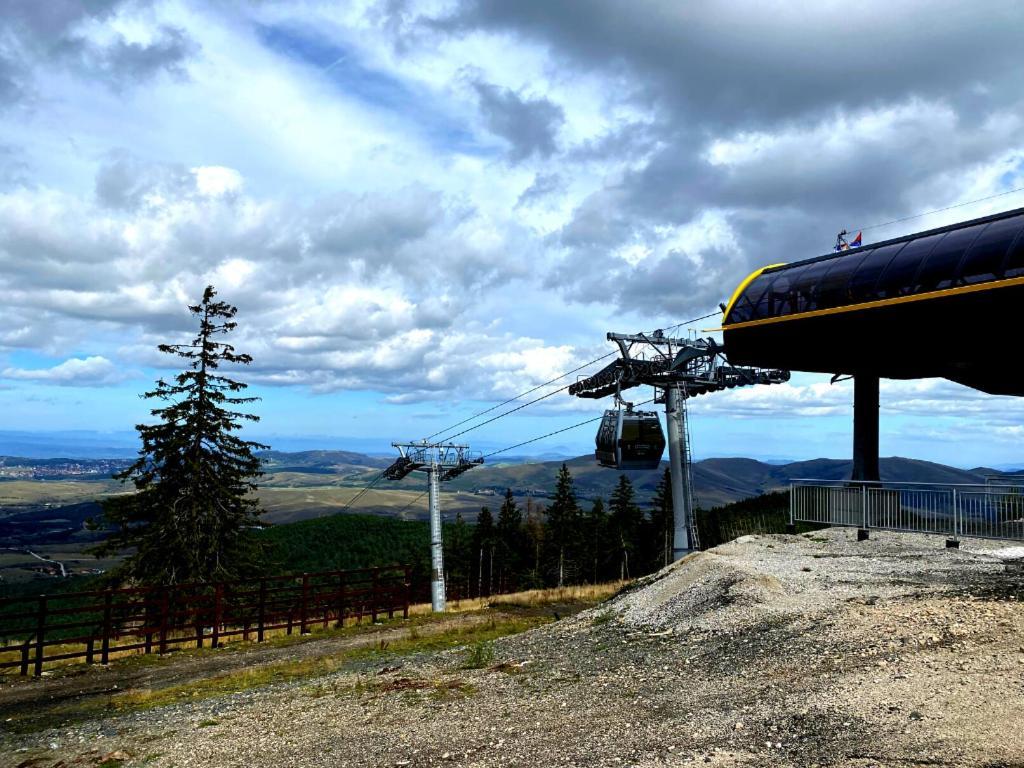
pixel 534 598
pixel 257 676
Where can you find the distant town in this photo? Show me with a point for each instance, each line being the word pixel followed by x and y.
pixel 16 468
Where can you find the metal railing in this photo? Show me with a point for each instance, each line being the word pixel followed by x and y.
pixel 991 511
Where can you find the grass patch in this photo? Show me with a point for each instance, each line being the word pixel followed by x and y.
pixel 236 681
pixel 603 617
pixel 479 655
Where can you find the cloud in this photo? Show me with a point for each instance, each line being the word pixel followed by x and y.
pixel 95 371
pixel 772 133
pixel 93 40
pixel 529 125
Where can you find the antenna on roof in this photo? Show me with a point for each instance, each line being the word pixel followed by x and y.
pixel 841 244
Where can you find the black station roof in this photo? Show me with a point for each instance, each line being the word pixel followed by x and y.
pixel 982 250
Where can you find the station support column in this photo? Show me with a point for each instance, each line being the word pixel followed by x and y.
pixel 677 455
pixel 437 596
pixel 865 427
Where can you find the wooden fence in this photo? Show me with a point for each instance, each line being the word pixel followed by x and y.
pixel 95 625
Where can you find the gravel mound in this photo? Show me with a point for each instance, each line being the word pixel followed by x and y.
pixel 757 578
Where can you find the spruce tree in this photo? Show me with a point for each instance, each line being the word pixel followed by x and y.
pixel 190 515
pixel 535 538
pixel 626 522
pixel 483 548
pixel 459 561
pixel 563 526
pixel 662 523
pixel 511 542
pixel 597 540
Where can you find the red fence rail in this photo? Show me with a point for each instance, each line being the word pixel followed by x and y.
pixel 95 625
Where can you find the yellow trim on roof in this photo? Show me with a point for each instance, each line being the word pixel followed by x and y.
pixel 743 286
pixel 991 285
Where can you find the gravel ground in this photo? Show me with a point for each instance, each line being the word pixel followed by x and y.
pixel 770 650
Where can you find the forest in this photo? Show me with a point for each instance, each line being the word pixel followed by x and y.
pixel 525 542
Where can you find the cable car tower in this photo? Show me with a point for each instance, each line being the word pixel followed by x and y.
pixel 440 461
pixel 678 369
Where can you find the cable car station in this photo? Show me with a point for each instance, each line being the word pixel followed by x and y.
pixel 899 309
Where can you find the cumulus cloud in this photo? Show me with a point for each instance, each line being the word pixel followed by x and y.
pixel 529 125
pixel 95 371
pixel 336 174
pixel 85 38
pixel 775 132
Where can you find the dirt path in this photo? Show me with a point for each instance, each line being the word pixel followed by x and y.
pixel 153 672
pixel 771 651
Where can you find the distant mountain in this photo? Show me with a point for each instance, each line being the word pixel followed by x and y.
pixel 320 461
pixel 716 481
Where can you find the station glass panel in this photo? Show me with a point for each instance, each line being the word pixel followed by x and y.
pixel 985 259
pixel 832 289
pixel 939 270
pixel 743 310
pixel 805 286
pixel 862 284
pixel 898 278
pixel 779 295
pixel 1015 259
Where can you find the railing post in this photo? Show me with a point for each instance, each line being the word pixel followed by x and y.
pixel 163 621
pixel 864 506
pixel 24 655
pixel 791 528
pixel 954 543
pixel 374 594
pixel 341 600
pixel 862 532
pixel 40 635
pixel 262 610
pixel 218 599
pixel 108 600
pixel 303 613
pixel 408 591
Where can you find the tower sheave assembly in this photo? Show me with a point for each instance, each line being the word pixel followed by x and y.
pixel 440 461
pixel 677 369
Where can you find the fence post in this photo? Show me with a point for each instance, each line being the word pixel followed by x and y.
pixel 304 610
pixel 261 611
pixel 108 600
pixel 791 528
pixel 163 621
pixel 408 589
pixel 374 594
pixel 24 654
pixel 341 600
pixel 218 598
pixel 954 543
pixel 40 635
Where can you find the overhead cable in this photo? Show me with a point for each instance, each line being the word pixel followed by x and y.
pixel 368 486
pixel 937 210
pixel 520 395
pixel 551 434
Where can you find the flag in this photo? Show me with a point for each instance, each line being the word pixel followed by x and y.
pixel 855 243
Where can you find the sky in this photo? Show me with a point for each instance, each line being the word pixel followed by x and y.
pixel 423 209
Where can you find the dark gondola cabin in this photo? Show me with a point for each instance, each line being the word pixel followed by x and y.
pixel 630 440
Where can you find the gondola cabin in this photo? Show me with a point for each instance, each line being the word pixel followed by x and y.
pixel 630 439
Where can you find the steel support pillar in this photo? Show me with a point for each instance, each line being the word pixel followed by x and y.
pixel 437 596
pixel 865 427
pixel 682 495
